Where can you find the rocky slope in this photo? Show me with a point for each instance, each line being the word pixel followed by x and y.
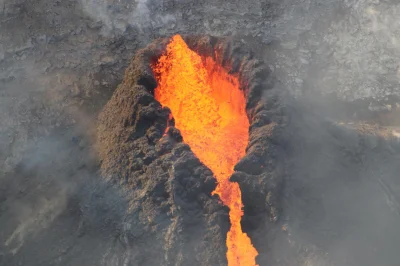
pixel 61 61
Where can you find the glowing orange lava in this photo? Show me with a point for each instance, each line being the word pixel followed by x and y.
pixel 209 110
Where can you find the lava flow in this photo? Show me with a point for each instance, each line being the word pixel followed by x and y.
pixel 209 110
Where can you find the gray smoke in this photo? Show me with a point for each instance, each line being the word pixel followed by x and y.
pixel 117 16
pixel 61 60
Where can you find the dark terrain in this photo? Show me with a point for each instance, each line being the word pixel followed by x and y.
pixel 60 62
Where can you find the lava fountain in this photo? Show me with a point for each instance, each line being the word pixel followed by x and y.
pixel 209 110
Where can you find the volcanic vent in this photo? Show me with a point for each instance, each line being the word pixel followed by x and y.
pixel 187 107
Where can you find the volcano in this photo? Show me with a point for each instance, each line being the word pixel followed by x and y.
pixel 183 130
pixel 222 167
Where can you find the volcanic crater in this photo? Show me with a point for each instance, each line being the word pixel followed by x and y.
pixel 176 217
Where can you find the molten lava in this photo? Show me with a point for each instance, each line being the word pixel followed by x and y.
pixel 209 110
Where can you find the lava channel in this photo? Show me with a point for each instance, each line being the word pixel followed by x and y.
pixel 209 110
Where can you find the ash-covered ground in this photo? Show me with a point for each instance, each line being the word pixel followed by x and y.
pixel 60 62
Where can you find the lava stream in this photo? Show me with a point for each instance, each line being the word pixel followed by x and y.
pixel 209 110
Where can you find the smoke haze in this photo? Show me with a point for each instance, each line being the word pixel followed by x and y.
pixel 61 60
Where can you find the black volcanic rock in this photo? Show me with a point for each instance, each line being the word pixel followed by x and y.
pixel 170 188
pixel 62 60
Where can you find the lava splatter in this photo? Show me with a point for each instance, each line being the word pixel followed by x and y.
pixel 209 110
